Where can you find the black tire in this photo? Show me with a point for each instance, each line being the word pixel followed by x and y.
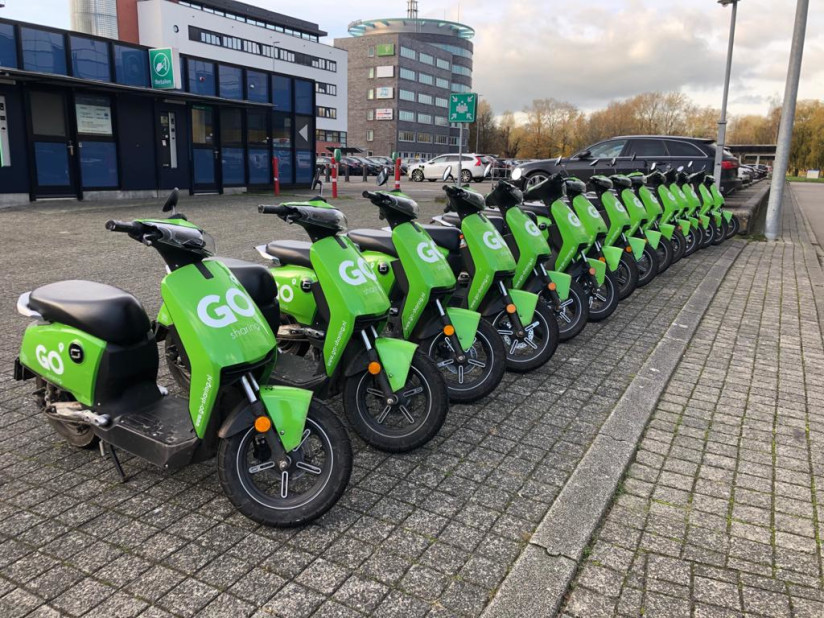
pixel 79 435
pixel 486 364
pixel 539 345
pixel 466 176
pixel 692 241
pixel 724 229
pixel 417 176
pixel 734 227
pixel 665 253
pixel 649 264
pixel 574 313
pixel 321 464
pixel 706 236
pixel 176 359
pixel 626 275
pixel 393 433
pixel 717 233
pixel 679 244
pixel 535 178
pixel 602 300
pixel 297 347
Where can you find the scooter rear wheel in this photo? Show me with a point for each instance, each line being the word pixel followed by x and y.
pixel 318 472
pixel 538 346
pixel 574 312
pixel 649 265
pixel 404 426
pixel 626 275
pixel 485 366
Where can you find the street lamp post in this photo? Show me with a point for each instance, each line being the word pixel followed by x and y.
pixel 722 122
pixel 477 124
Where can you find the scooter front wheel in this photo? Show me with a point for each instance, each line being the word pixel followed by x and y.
pixel 650 265
pixel 541 341
pixel 679 245
pixel 626 275
pixel 692 242
pixel 484 367
pixel 603 300
pixel 718 233
pixel 408 424
pixel 706 236
pixel 318 472
pixel 573 314
pixel 733 227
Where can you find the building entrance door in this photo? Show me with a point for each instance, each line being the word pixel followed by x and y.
pixel 205 150
pixel 55 149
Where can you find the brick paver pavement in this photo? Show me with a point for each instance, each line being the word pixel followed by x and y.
pixel 721 512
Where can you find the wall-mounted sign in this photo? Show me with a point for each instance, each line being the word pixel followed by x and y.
pixel 94 115
pixel 385 92
pixel 385 71
pixel 5 151
pixel 163 68
pixel 386 49
pixel 386 113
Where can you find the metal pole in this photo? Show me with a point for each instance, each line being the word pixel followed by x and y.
pixel 477 126
pixel 722 122
pixel 460 154
pixel 785 129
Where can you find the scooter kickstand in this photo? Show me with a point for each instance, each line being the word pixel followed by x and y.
pixel 105 446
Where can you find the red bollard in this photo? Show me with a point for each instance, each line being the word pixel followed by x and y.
pixel 335 179
pixel 398 174
pixel 276 174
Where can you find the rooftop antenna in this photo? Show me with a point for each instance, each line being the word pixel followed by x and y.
pixel 412 9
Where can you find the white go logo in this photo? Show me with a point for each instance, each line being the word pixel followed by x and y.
pixel 428 252
pixel 356 274
pixel 216 315
pixel 49 360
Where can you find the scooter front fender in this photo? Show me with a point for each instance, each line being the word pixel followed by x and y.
pixel 637 244
pixel 653 237
pixel 562 283
pixel 466 323
pixel 600 270
pixel 396 357
pixel 613 257
pixel 525 303
pixel 727 214
pixel 667 230
pixel 286 406
pixel 685 225
pixel 705 221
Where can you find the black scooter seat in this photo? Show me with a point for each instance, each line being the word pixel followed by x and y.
pixel 255 279
pixel 101 310
pixel 447 237
pixel 290 252
pixel 494 217
pixel 539 210
pixel 374 240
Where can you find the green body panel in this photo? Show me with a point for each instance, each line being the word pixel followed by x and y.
pixel 651 205
pixel 684 205
pixel 706 197
pixel 466 323
pixel 426 269
pixel 288 408
pixel 163 317
pixel 294 301
pixel 532 246
pixel 671 206
pixel 667 229
pixel 546 222
pixel 525 303
pixel 727 214
pixel 351 289
pixel 653 237
pixel 489 253
pixel 635 210
pixel 219 326
pixel 686 225
pixel 45 350
pixel 619 219
pixel 396 358
pixel 705 221
pixel 637 245
pixel 562 283
pixel 600 270
pixel 574 234
pixel 692 198
pixel 716 196
pixel 717 216
pixel 375 259
pixel 589 216
pixel 613 256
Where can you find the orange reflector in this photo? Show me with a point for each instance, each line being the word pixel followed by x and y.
pixel 510 308
pixel 263 424
pixel 591 271
pixel 629 249
pixel 374 368
pixel 552 286
pixel 449 330
pixel 461 236
pixel 600 259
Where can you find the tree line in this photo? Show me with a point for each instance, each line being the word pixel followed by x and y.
pixel 550 128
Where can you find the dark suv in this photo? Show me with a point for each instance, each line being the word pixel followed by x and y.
pixel 665 150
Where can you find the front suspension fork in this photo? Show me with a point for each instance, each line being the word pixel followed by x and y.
pixel 263 424
pixel 548 288
pixel 518 330
pixel 450 334
pixel 377 370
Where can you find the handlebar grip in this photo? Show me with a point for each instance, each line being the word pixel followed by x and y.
pixel 271 209
pixel 369 195
pixel 129 227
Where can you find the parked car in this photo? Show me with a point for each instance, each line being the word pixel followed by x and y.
pixel 664 150
pixel 355 166
pixel 746 174
pixel 499 167
pixel 472 168
pixel 372 168
pixel 388 162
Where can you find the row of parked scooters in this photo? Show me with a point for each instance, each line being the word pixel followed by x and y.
pixel 398 321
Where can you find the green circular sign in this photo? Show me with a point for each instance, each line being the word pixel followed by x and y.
pixel 337 155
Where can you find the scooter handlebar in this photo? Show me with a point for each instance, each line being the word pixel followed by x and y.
pixel 129 227
pixel 272 209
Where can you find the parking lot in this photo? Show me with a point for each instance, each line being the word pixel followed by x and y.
pixel 432 532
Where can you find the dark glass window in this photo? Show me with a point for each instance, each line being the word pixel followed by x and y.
pixel 98 164
pixel 607 150
pixel 257 86
pixel 131 66
pixel 647 148
pixel 202 126
pixel 201 77
pixel 231 127
pixel 303 97
pixel 8 46
pixel 282 93
pixel 281 130
pixel 285 167
pixel 260 166
pixel 90 58
pixel 231 84
pixel 232 161
pixel 256 133
pixel 683 149
pixel 44 52
pixel 305 168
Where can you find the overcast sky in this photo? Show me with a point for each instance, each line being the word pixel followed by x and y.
pixel 587 52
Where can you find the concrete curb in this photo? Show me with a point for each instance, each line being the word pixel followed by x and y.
pixel 752 213
pixel 811 251
pixel 539 579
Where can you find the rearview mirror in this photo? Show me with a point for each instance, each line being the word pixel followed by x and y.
pixel 585 155
pixel 652 167
pixel 634 156
pixel 517 173
pixel 689 164
pixel 594 163
pixel 612 163
pixel 171 201
pixel 488 169
pixel 383 176
pixel 447 173
pixel 680 168
pixel 558 160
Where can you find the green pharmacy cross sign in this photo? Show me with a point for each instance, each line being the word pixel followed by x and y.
pixel 162 68
pixel 462 107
